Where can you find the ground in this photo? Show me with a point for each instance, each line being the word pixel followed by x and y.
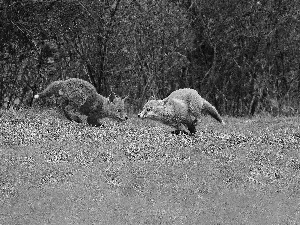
pixel 53 171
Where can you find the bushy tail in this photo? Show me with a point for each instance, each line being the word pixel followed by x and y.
pixel 42 95
pixel 37 96
pixel 55 88
pixel 47 93
pixel 39 99
pixel 211 110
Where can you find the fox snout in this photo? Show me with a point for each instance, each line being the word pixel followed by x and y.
pixel 147 114
pixel 141 115
pixel 123 118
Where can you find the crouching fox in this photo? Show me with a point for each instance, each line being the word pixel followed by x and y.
pixel 81 96
pixel 180 109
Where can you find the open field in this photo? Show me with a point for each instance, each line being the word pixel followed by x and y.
pixel 53 171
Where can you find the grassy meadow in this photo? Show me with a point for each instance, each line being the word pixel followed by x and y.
pixel 53 171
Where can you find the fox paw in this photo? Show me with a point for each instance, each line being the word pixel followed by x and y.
pixel 177 132
pixel 98 125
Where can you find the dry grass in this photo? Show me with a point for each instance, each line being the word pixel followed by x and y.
pixel 56 172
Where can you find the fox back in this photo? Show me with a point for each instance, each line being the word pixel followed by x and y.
pixel 75 90
pixel 189 97
pixel 196 104
pixel 81 96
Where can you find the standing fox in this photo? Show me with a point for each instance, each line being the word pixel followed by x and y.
pixel 180 110
pixel 81 96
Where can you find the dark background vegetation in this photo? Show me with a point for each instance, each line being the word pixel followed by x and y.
pixel 243 56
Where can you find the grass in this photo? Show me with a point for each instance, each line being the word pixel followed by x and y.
pixel 53 171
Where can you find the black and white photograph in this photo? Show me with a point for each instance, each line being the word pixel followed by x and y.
pixel 144 112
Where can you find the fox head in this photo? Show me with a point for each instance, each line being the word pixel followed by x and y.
pixel 152 109
pixel 116 107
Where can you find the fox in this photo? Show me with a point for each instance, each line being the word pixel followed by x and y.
pixel 181 110
pixel 78 95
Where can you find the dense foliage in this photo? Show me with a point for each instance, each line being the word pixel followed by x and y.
pixel 243 56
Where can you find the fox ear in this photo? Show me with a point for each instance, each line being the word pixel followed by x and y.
pixel 124 99
pixel 164 102
pixel 111 97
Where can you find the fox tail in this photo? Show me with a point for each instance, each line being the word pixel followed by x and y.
pixel 36 96
pixel 211 110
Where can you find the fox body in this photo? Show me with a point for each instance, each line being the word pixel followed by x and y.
pixel 181 109
pixel 81 96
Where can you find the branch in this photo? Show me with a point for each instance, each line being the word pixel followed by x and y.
pixel 114 8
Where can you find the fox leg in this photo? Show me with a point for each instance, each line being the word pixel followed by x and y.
pixel 192 126
pixel 92 117
pixel 93 121
pixel 71 116
pixel 180 129
pixel 66 107
pixel 177 132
